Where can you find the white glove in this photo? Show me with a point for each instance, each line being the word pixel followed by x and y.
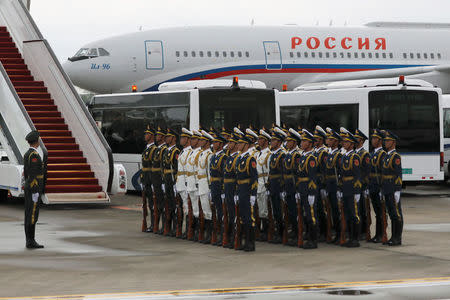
pixel 381 195
pixel 236 199
pixel 268 193
pixel 222 196
pixel 153 189
pixel 142 186
pixel 397 196
pixel 297 197
pixel 339 195
pixel 163 186
pixel 283 195
pixel 35 197
pixel 311 199
pixel 252 200
pixel 174 190
pixel 323 193
pixel 366 193
pixel 357 197
pixel 209 195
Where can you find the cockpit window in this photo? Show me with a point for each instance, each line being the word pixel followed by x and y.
pixel 103 52
pixel 86 53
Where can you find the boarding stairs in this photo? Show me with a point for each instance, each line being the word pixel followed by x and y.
pixel 40 96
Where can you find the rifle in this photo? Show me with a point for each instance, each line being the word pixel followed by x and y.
pixel 343 223
pixel 384 238
pixel 215 225
pixel 190 220
pixel 271 229
pixel 300 224
pixel 226 230
pixel 166 214
pixel 179 201
pixel 286 222
pixel 257 221
pixel 237 236
pixel 144 211
pixel 155 214
pixel 368 219
pixel 326 204
pixel 201 234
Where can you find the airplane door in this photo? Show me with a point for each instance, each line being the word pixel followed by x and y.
pixel 154 55
pixel 272 53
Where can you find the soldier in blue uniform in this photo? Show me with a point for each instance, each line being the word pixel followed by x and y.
pixel 146 181
pixel 216 171
pixel 247 186
pixel 290 166
pixel 392 186
pixel 332 179
pixel 307 188
pixel 376 165
pixel 350 189
pixel 157 182
pixel 321 152
pixel 170 167
pixel 364 204
pixel 229 182
pixel 33 172
pixel 276 181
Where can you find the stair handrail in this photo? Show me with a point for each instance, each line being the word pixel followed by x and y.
pixel 11 140
pixel 74 93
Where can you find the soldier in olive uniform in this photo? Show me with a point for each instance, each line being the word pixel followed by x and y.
pixel 170 167
pixel 146 181
pixel 321 152
pixel 34 183
pixel 157 180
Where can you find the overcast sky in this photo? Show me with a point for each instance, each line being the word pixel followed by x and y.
pixel 68 24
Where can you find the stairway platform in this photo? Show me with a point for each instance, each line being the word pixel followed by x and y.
pixel 76 198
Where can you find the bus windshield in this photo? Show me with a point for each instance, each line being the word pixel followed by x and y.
pixel 413 115
pixel 122 119
pixel 228 108
pixel 333 116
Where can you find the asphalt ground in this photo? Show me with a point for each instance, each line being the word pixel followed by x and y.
pixel 92 250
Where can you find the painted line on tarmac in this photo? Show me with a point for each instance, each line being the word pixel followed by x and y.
pixel 126 208
pixel 302 288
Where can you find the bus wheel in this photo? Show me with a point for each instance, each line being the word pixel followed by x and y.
pixel 3 195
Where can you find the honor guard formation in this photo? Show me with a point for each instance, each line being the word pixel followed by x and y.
pixel 284 186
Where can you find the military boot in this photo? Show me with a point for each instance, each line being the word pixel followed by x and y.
pixel 232 233
pixel 247 243
pixel 353 241
pixel 208 232
pixel 311 243
pixel 31 242
pixel 393 224
pixel 242 234
pixel 397 238
pixel 278 233
pixel 263 232
pixel 378 228
pixel 219 233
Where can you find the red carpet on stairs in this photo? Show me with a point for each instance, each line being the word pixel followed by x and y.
pixel 67 170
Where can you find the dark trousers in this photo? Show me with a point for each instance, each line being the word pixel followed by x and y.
pixel 351 209
pixel 335 213
pixel 217 201
pixel 376 203
pixel 149 195
pixel 157 189
pixel 31 215
pixel 275 189
pixel 229 198
pixel 309 211
pixel 292 209
pixel 394 209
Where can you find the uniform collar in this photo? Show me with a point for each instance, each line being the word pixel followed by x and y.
pixel 162 144
pixel 378 149
pixel 219 152
pixel 149 145
pixel 171 147
pixel 391 151
pixel 349 152
pixel 333 150
pixel 320 148
pixel 294 149
pixel 35 149
pixel 359 149
pixel 276 151
pixel 245 153
pixel 265 149
pixel 309 152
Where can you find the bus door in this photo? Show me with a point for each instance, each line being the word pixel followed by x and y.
pixel 272 53
pixel 154 55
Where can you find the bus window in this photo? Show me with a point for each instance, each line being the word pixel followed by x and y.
pixel 411 115
pixel 333 116
pixel 219 107
pixel 446 122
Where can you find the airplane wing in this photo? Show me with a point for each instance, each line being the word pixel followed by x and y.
pixel 385 73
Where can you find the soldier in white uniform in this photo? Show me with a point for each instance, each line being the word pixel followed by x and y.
pixel 262 166
pixel 203 187
pixel 181 184
pixel 191 180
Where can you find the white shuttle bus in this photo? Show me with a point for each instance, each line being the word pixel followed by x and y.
pixel 446 115
pixel 122 118
pixel 410 108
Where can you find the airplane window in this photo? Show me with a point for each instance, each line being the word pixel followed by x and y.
pixel 334 54
pixel 356 54
pixel 320 54
pixel 239 53
pixel 217 53
pixel 247 54
pixel 377 55
pixel 299 54
pixel 200 53
pixel 327 54
pixel 291 54
pixel 370 54
pixel 418 55
pixel 177 53
pixel 432 55
pixel 193 53
pixel 82 52
pixel 411 55
pixel 103 52
pixel 224 53
pixel 363 55
pixel 439 56
pixel 92 52
pixel 342 54
pixel 405 56
pixel 232 54
pixel 425 56
pixel 209 53
pixel 349 55
pixel 185 53
pixel 384 55
pixel 306 54
pixel 391 55
pixel 313 54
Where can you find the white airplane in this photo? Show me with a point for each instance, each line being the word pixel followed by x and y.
pixel 276 55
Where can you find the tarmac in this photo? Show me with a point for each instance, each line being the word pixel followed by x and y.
pixel 99 252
